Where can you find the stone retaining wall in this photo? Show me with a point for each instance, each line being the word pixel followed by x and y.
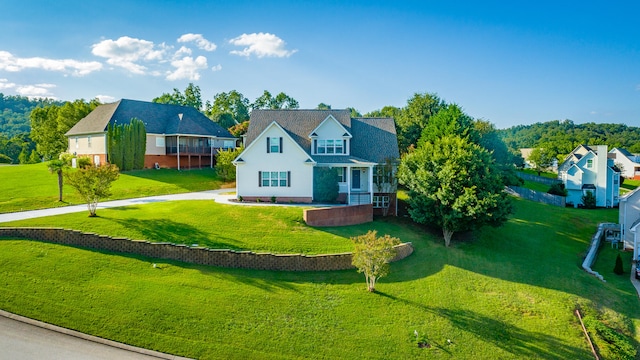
pixel 339 215
pixel 195 255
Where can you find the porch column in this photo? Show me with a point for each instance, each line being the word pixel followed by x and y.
pixel 178 147
pixel 370 184
pixel 348 185
pixel 211 148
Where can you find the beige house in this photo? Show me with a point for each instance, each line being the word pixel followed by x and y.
pixel 177 136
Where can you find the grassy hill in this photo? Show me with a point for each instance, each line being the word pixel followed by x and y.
pixel 500 293
pixel 30 187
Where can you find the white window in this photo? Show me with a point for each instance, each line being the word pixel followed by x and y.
pixel 159 141
pixel 380 201
pixel 330 147
pixel 89 141
pixel 589 164
pixel 228 144
pixel 341 176
pixel 274 145
pixel 77 142
pixel 274 178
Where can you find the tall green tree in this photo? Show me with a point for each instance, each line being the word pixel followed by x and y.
pixel 224 163
pixel 414 118
pixel 541 158
pixel 233 103
pixel 191 97
pixel 323 106
pixel 385 112
pixel 50 123
pixel 127 145
pixel 453 184
pixel 449 120
pixel 280 101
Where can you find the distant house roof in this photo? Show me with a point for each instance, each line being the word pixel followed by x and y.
pixel 157 118
pixel 374 139
pixel 624 152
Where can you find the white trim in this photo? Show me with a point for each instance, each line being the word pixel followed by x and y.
pixel 337 122
pixel 284 132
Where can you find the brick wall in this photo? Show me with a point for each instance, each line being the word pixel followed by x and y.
pixel 339 215
pixel 195 255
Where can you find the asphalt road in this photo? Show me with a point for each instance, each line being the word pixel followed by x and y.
pixel 21 341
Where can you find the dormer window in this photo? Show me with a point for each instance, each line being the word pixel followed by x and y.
pixel 274 145
pixel 330 147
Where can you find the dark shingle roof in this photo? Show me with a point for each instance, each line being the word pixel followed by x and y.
pixel 158 119
pixel 374 139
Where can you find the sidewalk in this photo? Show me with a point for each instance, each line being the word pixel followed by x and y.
pixel 220 196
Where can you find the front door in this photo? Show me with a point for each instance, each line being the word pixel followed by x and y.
pixel 355 179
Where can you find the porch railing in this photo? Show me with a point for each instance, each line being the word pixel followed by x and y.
pixel 360 198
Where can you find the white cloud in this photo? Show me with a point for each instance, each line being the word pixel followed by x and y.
pixel 200 41
pixel 187 68
pixel 36 91
pixel 261 45
pixel 182 52
pixel 126 51
pixel 105 99
pixel 11 63
pixel 217 68
pixel 5 84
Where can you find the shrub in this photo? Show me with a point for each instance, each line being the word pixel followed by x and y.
pixel 273 199
pixel 618 269
pixel 224 163
pixel 326 184
pixel 557 189
pixel 589 200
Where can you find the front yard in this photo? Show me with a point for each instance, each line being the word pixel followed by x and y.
pixel 506 293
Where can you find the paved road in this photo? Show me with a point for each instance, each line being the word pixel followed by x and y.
pixel 19 341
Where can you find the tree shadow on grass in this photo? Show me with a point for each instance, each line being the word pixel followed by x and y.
pixel 517 341
pixel 177 233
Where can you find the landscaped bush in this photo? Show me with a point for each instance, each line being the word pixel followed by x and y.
pixel 618 269
pixel 326 184
pixel 557 189
pixel 589 200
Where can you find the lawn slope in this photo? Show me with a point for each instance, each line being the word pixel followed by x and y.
pixel 504 293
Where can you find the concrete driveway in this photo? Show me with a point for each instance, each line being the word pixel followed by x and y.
pixel 22 339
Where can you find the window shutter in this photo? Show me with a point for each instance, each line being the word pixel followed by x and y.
pixel 281 145
pixel 315 146
pixel 344 146
pixel 259 178
pixel 268 144
pixel 288 178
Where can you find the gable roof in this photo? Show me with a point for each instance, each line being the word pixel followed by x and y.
pixel 373 139
pixel 157 118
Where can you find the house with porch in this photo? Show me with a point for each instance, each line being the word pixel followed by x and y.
pixel 590 169
pixel 177 136
pixel 284 148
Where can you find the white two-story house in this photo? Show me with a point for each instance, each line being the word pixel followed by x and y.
pixel 629 163
pixel 284 148
pixel 589 169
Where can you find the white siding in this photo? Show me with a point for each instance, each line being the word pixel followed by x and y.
pixel 291 159
pixel 152 141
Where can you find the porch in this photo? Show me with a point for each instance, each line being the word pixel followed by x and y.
pixel 192 151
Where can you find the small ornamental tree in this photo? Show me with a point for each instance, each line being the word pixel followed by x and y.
pixel 58 167
pixel 224 164
pixel 618 268
pixel 371 256
pixel 93 183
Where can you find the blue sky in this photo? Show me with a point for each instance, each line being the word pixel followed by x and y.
pixel 510 62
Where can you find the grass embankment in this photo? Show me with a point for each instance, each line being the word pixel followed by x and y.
pixel 30 187
pixel 206 223
pixel 504 293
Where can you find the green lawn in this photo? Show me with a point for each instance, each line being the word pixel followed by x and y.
pixel 29 187
pixel 206 223
pixel 536 186
pixel 550 175
pixel 502 293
